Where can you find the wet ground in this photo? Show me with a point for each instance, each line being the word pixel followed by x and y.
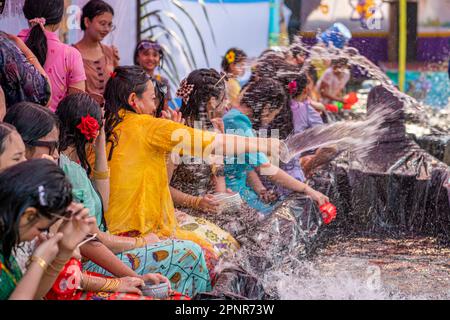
pixel 371 268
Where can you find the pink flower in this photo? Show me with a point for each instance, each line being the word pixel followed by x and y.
pixel 292 86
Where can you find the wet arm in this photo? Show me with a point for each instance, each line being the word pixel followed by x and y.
pixel 50 275
pixel 105 258
pixel 2 104
pixel 230 145
pixel 27 287
pixel 254 182
pixel 101 165
pixel 279 177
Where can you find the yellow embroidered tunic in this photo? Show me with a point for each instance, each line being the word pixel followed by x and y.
pixel 140 198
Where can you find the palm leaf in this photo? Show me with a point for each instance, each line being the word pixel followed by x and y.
pixel 171 16
pixel 180 6
pixel 205 12
pixel 174 36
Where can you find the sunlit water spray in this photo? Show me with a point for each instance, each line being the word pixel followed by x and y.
pixel 358 137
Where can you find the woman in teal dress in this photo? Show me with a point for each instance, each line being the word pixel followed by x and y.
pixel 261 101
pixel 182 262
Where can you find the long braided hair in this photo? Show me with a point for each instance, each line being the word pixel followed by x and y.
pixel 196 90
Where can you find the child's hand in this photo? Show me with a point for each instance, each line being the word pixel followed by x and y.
pixel 116 53
pixel 156 278
pixel 131 285
pixel 77 228
pixel 151 238
pixel 218 125
pixel 48 248
pixel 318 197
pixel 209 204
pixel 173 115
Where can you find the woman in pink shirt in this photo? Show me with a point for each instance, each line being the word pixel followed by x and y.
pixel 63 63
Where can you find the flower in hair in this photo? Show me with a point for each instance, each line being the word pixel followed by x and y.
pixel 231 57
pixel 113 74
pixel 292 86
pixel 88 127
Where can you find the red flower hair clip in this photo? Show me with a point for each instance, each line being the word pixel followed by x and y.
pixel 292 86
pixel 113 74
pixel 89 127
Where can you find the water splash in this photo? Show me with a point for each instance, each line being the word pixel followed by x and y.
pixel 357 137
pixel 364 65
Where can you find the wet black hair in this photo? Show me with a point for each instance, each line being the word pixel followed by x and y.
pixel 139 49
pixel 339 62
pixel 273 65
pixel 5 131
pixel 94 8
pixel 125 81
pixel 240 56
pixel 312 72
pixel 52 11
pixel 262 93
pixel 208 83
pixel 32 121
pixel 161 92
pixel 37 183
pixel 301 83
pixel 70 111
pixel 298 50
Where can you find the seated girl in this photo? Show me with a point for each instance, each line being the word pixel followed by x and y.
pixel 33 196
pixel 180 261
pixel 37 124
pixel 233 64
pixel 139 144
pixel 260 103
pixel 306 117
pixel 12 149
pixel 195 180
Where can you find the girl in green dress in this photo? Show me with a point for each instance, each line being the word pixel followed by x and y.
pixel 33 196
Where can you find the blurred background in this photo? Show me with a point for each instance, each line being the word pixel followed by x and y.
pixel 197 33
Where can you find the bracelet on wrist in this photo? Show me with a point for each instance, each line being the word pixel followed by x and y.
pixel 41 262
pixel 101 175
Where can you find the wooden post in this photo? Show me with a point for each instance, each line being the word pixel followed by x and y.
pixel 402 44
pixel 139 27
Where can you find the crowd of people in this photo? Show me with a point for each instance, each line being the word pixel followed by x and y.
pixel 99 193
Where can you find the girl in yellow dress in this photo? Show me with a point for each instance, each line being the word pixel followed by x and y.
pixel 138 147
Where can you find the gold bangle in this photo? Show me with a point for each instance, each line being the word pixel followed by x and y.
pixel 105 286
pixel 41 262
pixel 30 59
pixel 110 285
pixel 197 202
pixel 101 175
pixel 116 285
